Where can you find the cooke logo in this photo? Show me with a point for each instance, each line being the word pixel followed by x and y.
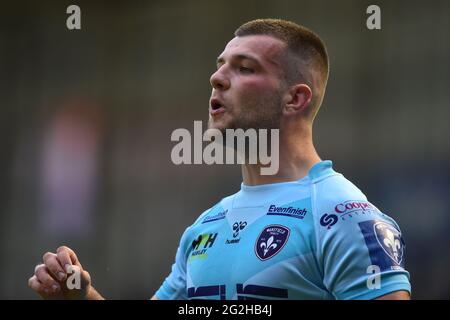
pixel 354 206
pixel 347 210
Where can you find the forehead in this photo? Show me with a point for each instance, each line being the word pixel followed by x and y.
pixel 266 49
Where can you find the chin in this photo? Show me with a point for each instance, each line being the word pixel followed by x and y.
pixel 218 124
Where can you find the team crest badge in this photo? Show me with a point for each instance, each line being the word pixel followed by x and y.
pixel 385 244
pixel 390 240
pixel 270 241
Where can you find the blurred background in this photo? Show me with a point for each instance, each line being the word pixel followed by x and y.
pixel 86 118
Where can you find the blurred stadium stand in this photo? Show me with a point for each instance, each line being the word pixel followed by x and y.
pixel 137 70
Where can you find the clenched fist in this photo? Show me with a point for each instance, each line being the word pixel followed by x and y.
pixel 61 276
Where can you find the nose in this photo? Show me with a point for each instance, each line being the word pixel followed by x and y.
pixel 219 81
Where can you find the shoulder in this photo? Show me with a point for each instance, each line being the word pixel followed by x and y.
pixel 331 192
pixel 339 204
pixel 214 213
pixel 355 239
pixel 204 221
pixel 347 222
pixel 335 193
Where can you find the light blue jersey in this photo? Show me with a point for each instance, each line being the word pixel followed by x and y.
pixel 315 238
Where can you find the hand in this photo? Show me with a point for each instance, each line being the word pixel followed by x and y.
pixel 56 277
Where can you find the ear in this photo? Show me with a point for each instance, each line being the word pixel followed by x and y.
pixel 297 99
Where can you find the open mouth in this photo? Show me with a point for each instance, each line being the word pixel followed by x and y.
pixel 216 107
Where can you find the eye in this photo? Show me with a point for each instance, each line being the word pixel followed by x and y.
pixel 245 70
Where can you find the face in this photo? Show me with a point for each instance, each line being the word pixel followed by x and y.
pixel 247 85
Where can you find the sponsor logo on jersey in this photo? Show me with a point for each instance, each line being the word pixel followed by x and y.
pixel 351 207
pixel 232 241
pixel 385 244
pixel 347 210
pixel 270 241
pixel 201 244
pixel 219 216
pixel 328 220
pixel 237 226
pixel 298 213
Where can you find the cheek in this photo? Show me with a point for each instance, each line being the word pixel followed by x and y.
pixel 256 85
pixel 256 91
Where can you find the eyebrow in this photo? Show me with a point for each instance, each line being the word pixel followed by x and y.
pixel 221 60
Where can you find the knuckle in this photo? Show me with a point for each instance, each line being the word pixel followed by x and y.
pixel 40 275
pixel 46 280
pixel 39 268
pixel 31 281
pixel 86 276
pixel 48 255
pixel 51 262
pixel 43 276
pixel 61 248
pixel 35 286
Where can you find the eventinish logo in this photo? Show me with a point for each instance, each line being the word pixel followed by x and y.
pixel 287 211
pixel 236 146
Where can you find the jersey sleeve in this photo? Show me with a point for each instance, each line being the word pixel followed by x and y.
pixel 174 286
pixel 361 250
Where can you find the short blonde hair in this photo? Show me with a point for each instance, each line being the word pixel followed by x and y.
pixel 301 43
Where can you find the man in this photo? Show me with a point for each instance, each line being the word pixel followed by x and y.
pixel 305 232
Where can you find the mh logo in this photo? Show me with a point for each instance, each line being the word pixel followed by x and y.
pixel 385 244
pixel 207 240
pixel 271 240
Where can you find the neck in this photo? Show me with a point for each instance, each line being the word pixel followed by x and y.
pixel 296 156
